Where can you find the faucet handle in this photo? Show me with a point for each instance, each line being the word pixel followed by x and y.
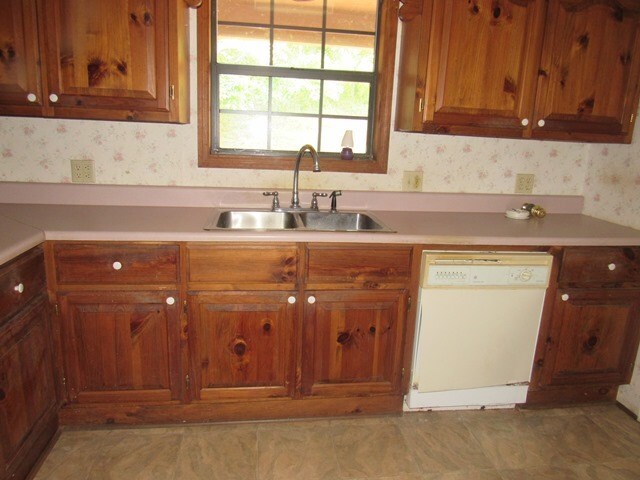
pixel 314 199
pixel 276 203
pixel 334 200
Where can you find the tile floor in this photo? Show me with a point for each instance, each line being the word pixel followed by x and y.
pixel 599 442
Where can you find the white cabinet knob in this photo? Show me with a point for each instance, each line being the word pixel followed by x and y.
pixel 612 266
pixel 291 299
pixel 565 297
pixel 117 265
pixel 32 97
pixel 19 288
pixel 53 97
pixel 524 122
pixel 170 300
pixel 541 123
pixel 311 299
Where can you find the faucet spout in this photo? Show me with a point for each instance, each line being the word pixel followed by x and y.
pixel 295 199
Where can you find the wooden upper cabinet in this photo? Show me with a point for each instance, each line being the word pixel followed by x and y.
pixel 589 71
pixel 469 67
pixel 20 78
pixel 555 69
pixel 106 59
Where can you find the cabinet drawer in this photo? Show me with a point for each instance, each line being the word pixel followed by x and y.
pixel 21 280
pixel 116 263
pixel 600 265
pixel 243 264
pixel 358 264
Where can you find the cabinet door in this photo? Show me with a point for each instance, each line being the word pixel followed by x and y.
pixel 594 337
pixel 352 342
pixel 20 81
pixel 588 84
pixel 121 346
pixel 27 389
pixel 475 66
pixel 242 344
pixel 116 59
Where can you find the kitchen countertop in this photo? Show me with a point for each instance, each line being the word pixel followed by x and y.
pixel 25 225
pixel 33 212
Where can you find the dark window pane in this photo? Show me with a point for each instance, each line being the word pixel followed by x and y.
pixel 296 95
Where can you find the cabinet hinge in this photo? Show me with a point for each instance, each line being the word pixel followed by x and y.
pixel 184 306
pixel 421 105
pixel 633 115
pixel 64 382
pixel 56 310
pixel 172 92
pixel 187 382
pixel 408 303
pixel 402 373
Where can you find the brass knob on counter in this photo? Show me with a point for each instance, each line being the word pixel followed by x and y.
pixel 535 210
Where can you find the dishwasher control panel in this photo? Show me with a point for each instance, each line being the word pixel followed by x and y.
pixel 486 270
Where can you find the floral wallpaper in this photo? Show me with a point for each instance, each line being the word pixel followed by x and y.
pixel 39 150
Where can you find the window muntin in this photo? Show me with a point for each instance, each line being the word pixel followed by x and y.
pixel 314 81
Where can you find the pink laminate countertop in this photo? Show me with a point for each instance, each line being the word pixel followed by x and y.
pixel 121 223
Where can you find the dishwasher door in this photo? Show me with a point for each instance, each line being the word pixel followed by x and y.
pixel 478 324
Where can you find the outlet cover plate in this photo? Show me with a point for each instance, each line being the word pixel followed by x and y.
pixel 412 181
pixel 83 171
pixel 524 182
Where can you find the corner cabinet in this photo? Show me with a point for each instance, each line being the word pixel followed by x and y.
pixel 96 60
pixel 588 343
pixel 28 397
pixel 525 69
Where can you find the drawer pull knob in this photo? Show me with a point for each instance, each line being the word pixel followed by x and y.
pixel 53 97
pixel 524 122
pixel 565 297
pixel 32 97
pixel 541 123
pixel 311 299
pixel 291 299
pixel 19 288
pixel 612 266
pixel 117 265
pixel 170 300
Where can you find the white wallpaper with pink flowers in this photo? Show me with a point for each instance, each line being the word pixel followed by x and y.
pixel 39 150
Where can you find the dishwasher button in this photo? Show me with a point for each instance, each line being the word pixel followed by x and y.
pixel 525 275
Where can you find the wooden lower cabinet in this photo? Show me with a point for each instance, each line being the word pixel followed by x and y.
pixel 595 336
pixel 121 346
pixel 352 342
pixel 28 385
pixel 241 345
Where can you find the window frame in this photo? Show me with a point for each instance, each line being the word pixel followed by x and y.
pixel 385 62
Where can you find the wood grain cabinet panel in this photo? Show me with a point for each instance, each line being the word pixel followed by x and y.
pixel 595 337
pixel 113 263
pixel 589 71
pixel 600 266
pixel 111 60
pixel 22 281
pixel 121 346
pixel 556 69
pixel 21 90
pixel 242 345
pixel 352 342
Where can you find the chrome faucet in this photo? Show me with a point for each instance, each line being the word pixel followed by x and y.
pixel 295 199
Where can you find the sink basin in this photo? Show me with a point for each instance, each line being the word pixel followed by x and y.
pixel 341 222
pixel 253 220
pixel 301 221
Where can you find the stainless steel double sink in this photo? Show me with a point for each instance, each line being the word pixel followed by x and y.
pixel 303 221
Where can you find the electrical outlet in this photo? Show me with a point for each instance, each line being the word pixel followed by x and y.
pixel 82 171
pixel 412 181
pixel 524 182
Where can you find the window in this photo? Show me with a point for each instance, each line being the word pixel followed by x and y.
pixel 281 73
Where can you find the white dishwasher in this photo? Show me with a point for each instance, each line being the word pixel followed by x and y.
pixel 478 322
